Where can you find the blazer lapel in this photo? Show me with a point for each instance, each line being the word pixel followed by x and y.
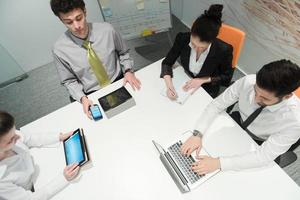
pixel 209 63
pixel 185 57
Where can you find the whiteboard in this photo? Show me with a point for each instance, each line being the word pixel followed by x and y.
pixel 137 18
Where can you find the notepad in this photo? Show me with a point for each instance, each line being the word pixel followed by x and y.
pixel 179 79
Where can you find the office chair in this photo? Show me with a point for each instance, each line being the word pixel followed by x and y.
pixel 297 92
pixel 235 37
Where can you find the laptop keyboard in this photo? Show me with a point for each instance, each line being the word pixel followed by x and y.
pixel 184 162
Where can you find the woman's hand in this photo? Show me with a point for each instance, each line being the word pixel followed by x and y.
pixel 195 83
pixel 171 92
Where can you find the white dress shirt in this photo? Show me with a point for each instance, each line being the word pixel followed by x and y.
pixel 279 124
pixel 196 65
pixel 18 171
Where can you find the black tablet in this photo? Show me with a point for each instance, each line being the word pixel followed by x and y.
pixel 75 148
pixel 114 99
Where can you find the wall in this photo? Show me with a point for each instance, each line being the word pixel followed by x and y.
pixel 9 68
pixel 266 39
pixel 29 29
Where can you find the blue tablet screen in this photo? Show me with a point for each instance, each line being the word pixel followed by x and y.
pixel 74 151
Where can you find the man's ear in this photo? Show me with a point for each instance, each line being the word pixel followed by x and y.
pixel 288 96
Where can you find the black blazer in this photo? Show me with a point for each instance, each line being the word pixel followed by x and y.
pixel 217 65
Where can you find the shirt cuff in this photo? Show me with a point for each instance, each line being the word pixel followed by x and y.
pixel 166 70
pixel 78 96
pixel 56 185
pixel 226 163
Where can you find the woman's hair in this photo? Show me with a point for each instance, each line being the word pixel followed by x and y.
pixel 7 122
pixel 207 25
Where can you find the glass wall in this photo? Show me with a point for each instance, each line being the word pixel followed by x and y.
pixel 10 70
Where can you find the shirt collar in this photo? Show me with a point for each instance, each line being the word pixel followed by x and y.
pixel 272 108
pixel 277 106
pixel 80 41
pixel 204 52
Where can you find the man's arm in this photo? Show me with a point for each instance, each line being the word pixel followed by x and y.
pixel 38 139
pixel 68 78
pixel 274 146
pixel 227 98
pixel 10 190
pixel 125 61
pixel 122 50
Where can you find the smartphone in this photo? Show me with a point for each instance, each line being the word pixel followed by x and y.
pixel 96 113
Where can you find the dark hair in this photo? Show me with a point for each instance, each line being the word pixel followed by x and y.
pixel 7 122
pixel 207 26
pixel 281 77
pixel 65 6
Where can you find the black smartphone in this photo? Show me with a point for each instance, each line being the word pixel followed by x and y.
pixel 96 113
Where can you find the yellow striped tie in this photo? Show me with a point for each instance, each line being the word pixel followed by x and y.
pixel 96 65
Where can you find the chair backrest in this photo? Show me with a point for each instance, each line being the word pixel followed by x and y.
pixel 297 92
pixel 235 37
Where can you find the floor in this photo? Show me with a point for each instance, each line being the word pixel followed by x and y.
pixel 41 93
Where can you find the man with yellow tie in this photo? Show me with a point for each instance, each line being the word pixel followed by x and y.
pixel 89 56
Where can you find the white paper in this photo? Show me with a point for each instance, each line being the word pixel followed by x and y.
pixel 179 79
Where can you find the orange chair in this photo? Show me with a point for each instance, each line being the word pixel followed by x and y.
pixel 235 37
pixel 297 92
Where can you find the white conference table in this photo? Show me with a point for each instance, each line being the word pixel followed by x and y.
pixel 125 164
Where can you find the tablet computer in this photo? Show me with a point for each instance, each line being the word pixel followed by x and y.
pixel 116 102
pixel 75 148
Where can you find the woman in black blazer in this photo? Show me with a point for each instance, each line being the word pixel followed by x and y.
pixel 205 58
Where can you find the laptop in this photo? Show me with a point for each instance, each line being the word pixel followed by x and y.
pixel 179 166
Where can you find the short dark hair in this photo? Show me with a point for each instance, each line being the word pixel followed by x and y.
pixel 7 122
pixel 207 25
pixel 280 77
pixel 65 6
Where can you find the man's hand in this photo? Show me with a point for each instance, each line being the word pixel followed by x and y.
pixel 64 136
pixel 86 103
pixel 206 165
pixel 71 171
pixel 171 92
pixel 193 143
pixel 195 84
pixel 132 80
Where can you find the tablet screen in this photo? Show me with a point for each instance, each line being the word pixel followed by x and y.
pixel 114 99
pixel 73 149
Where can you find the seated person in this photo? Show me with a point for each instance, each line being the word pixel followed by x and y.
pixel 275 117
pixel 204 57
pixel 89 56
pixel 17 169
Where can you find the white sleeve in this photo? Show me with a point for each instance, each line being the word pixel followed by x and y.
pixel 9 190
pixel 38 139
pixel 227 98
pixel 274 146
